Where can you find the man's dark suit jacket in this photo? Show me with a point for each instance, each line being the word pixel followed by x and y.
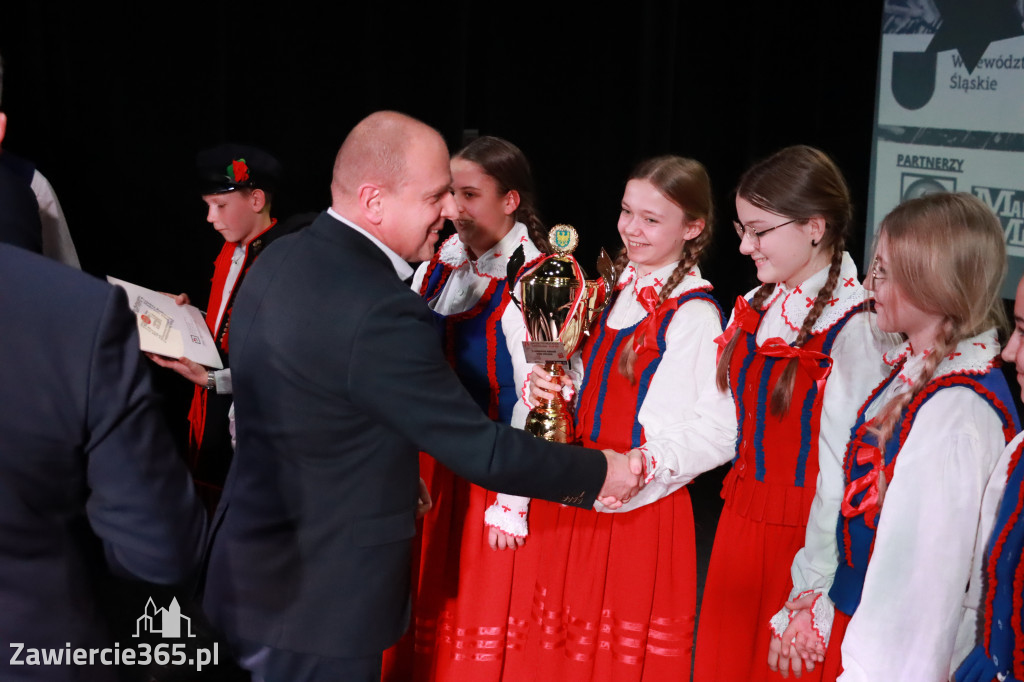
pixel 90 480
pixel 339 380
pixel 19 213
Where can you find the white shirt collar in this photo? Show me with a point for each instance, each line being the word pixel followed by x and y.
pixel 973 355
pixel 659 277
pixel 402 268
pixel 796 302
pixel 493 263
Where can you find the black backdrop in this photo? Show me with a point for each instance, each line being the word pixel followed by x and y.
pixel 113 100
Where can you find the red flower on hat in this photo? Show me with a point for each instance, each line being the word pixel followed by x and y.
pixel 239 170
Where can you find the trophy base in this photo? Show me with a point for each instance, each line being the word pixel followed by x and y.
pixel 551 419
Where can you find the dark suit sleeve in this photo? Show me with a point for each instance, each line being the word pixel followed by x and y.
pixel 141 502
pixel 19 219
pixel 400 376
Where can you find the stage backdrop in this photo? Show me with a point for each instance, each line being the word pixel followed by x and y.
pixel 950 111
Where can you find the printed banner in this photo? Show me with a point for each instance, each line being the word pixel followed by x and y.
pixel 950 111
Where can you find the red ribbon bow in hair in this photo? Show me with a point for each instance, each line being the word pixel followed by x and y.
pixel 743 317
pixel 870 504
pixel 240 170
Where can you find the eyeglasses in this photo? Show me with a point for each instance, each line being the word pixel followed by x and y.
pixel 755 237
pixel 877 271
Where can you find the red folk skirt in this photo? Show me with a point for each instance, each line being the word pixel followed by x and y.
pixel 748 582
pixel 461 589
pixel 605 597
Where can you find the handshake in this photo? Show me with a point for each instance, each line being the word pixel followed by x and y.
pixel 626 472
pixel 625 478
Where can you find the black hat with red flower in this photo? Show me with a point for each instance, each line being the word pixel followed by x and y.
pixel 231 167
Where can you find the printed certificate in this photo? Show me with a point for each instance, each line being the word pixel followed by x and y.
pixel 168 329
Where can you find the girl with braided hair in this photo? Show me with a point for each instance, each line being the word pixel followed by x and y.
pixel 799 356
pixel 461 584
pixel 612 596
pixel 923 447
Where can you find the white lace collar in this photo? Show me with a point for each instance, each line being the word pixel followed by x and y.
pixel 975 355
pixel 657 279
pixel 797 302
pixel 493 263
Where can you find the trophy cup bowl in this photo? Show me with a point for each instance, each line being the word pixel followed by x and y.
pixel 559 305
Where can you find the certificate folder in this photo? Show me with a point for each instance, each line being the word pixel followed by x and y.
pixel 166 328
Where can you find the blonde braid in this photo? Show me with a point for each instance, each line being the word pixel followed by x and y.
pixel 620 263
pixel 884 424
pixel 627 357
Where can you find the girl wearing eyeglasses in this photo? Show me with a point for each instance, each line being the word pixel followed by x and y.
pixel 923 446
pixel 799 357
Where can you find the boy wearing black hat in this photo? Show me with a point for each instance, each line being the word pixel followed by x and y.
pixel 237 183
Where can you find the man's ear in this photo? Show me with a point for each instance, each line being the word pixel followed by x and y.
pixel 3 126
pixel 370 199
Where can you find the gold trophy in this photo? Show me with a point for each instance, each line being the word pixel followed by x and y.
pixel 559 304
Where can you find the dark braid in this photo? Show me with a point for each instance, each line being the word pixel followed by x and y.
pixel 757 303
pixel 527 215
pixel 783 390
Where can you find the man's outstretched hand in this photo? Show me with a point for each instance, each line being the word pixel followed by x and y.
pixel 623 480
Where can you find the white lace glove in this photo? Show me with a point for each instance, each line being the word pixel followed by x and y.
pixel 822 611
pixel 508 514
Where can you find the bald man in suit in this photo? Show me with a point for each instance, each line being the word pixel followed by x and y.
pixel 340 380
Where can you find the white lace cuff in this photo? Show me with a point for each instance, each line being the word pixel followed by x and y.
pixel 525 393
pixel 779 622
pixel 508 514
pixel 822 610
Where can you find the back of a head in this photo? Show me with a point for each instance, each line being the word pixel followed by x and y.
pixel 801 182
pixel 375 152
pixel 947 255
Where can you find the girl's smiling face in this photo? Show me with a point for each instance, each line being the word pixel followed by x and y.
pixel 653 228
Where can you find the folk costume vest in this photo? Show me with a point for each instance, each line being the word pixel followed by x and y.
pixel 775 469
pixel 197 413
pixel 608 410
pixel 473 340
pixel 864 462
pixel 1000 653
